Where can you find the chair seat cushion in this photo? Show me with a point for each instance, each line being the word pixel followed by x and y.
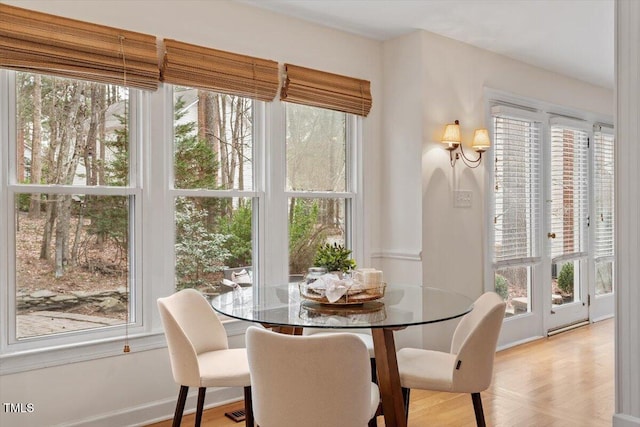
pixel 224 368
pixel 426 369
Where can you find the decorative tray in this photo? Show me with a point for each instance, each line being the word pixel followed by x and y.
pixel 324 314
pixel 356 295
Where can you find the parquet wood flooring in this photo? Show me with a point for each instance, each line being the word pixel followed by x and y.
pixel 563 381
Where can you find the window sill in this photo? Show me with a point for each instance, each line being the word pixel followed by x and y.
pixel 46 357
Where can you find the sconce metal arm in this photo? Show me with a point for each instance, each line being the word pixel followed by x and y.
pixel 471 163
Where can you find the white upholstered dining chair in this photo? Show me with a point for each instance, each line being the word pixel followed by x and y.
pixel 468 366
pixel 312 381
pixel 199 351
pixel 363 334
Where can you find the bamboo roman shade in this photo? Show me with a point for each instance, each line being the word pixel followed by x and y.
pixel 196 66
pixel 326 90
pixel 42 43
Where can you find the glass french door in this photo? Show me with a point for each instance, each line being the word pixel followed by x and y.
pixel 567 220
pixel 602 289
pixel 551 239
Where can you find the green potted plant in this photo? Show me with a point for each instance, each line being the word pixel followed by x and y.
pixel 565 281
pixel 334 258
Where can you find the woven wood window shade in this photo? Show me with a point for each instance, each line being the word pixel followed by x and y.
pixel 205 68
pixel 42 43
pixel 326 90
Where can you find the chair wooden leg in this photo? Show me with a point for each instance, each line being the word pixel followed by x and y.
pixel 374 370
pixel 182 399
pixel 477 407
pixel 248 408
pixel 201 393
pixel 406 394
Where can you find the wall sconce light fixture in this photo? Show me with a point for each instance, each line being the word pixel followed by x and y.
pixel 480 144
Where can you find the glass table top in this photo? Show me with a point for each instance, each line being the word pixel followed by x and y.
pixel 401 306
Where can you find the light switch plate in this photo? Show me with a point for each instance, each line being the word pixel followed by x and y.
pixel 462 198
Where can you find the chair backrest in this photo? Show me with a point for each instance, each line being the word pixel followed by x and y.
pixel 474 341
pixel 192 328
pixel 321 380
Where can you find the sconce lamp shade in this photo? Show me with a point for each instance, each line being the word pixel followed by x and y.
pixel 481 140
pixel 452 134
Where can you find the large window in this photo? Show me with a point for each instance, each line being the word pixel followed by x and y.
pixel 113 197
pixel 318 182
pixel 72 199
pixel 213 179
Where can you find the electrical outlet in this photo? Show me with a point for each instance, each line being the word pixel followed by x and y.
pixel 462 198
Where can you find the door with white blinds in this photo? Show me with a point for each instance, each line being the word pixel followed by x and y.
pixel 603 221
pixel 568 223
pixel 551 223
pixel 516 220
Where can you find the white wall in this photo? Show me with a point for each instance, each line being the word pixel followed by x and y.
pixel 430 81
pixel 135 388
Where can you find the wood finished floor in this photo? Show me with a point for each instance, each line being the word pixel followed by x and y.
pixel 563 381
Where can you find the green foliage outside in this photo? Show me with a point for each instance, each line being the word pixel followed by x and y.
pixel 502 286
pixel 199 252
pixel 304 234
pixel 212 233
pixel 238 230
pixel 109 217
pixel 206 240
pixel 565 278
pixel 23 202
pixel 110 214
pixel 195 164
pixel 118 169
pixel 334 258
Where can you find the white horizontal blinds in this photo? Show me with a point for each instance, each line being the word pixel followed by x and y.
pixel 42 43
pixel 603 151
pixel 516 188
pixel 569 191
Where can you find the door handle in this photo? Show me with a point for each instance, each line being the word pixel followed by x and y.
pixel 551 235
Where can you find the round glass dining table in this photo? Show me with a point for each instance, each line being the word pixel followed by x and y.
pixel 284 310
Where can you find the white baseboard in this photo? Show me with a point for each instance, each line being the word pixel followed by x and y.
pixel 159 410
pixel 624 420
pixel 601 318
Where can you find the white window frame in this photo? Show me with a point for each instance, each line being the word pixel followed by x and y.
pixel 350 195
pixel 28 353
pixel 256 194
pixel 152 164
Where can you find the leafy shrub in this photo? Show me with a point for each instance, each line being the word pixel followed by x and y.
pixel 199 251
pixel 565 278
pixel 502 286
pixel 334 257
pixel 238 230
pixel 305 234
